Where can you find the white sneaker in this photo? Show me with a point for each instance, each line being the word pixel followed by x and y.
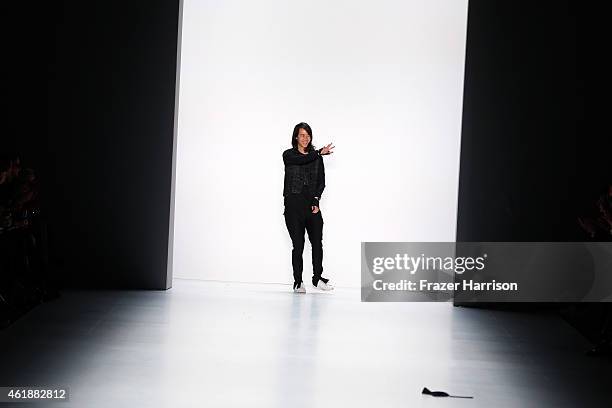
pixel 300 288
pixel 324 286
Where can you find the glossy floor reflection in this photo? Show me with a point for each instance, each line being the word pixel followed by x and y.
pixel 215 344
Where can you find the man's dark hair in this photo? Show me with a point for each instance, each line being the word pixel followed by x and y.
pixel 296 130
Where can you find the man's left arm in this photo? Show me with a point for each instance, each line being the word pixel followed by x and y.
pixel 320 185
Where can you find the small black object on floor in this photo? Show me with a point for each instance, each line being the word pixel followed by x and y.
pixel 426 391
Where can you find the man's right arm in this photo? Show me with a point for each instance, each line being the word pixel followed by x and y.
pixel 292 157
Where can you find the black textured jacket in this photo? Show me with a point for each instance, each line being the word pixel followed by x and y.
pixel 304 171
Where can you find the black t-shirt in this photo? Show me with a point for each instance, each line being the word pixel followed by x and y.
pixel 304 173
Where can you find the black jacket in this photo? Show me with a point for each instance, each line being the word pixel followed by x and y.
pixel 304 171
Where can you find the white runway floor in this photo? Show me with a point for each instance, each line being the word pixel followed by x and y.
pixel 215 344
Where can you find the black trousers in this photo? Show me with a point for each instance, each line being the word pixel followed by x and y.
pixel 299 218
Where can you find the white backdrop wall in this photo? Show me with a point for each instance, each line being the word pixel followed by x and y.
pixel 382 80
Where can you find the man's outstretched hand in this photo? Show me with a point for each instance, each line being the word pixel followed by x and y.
pixel 314 209
pixel 327 149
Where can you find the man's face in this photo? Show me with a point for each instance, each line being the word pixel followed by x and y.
pixel 303 138
pixel 14 168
